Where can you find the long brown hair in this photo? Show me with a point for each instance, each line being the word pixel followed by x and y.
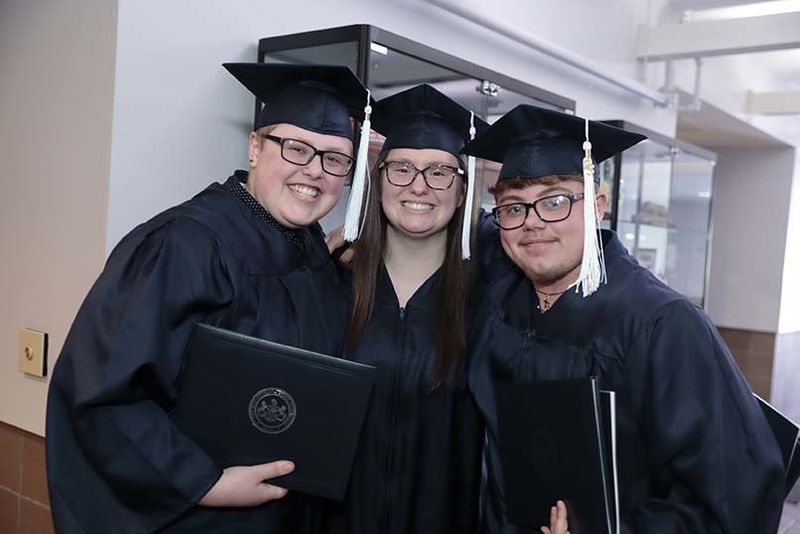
pixel 453 292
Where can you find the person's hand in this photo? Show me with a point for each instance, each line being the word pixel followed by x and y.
pixel 244 485
pixel 335 241
pixel 558 520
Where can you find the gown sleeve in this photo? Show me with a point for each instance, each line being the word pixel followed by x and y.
pixel 719 467
pixel 113 453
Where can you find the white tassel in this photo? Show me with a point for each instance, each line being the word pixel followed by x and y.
pixel 352 219
pixel 593 269
pixel 466 230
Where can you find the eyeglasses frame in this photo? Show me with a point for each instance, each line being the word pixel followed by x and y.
pixel 317 152
pixel 456 171
pixel 572 197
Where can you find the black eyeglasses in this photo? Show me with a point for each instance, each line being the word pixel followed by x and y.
pixel 402 174
pixel 301 153
pixel 553 208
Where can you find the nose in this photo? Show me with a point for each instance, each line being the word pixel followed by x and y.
pixel 313 168
pixel 418 186
pixel 533 221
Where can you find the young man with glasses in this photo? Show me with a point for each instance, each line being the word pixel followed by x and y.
pixel 246 255
pixel 695 453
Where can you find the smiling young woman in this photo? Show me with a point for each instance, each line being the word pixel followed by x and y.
pixel 409 318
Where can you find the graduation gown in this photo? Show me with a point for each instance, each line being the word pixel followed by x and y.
pixel 115 461
pixel 417 469
pixel 695 454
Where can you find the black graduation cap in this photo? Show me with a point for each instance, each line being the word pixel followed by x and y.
pixel 533 142
pixel 423 117
pixel 320 98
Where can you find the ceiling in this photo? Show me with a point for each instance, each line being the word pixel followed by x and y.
pixel 715 129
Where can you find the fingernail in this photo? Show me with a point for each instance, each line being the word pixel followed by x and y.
pixel 287 467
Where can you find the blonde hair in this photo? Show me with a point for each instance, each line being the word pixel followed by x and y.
pixel 264 130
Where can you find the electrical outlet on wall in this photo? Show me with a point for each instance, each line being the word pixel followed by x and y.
pixel 32 352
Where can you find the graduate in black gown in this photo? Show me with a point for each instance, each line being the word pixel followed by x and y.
pixel 418 464
pixel 695 454
pixel 246 255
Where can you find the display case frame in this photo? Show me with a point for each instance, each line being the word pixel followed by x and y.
pixel 676 154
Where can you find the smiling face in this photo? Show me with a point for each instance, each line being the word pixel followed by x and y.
pixel 548 253
pixel 296 195
pixel 416 210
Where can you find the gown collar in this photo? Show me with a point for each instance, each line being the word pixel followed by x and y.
pixel 236 185
pixel 516 300
pixel 387 296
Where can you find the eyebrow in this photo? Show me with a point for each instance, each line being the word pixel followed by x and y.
pixel 507 199
pixel 344 151
pixel 426 165
pixel 553 189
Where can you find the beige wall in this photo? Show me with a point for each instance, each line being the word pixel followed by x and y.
pixel 56 101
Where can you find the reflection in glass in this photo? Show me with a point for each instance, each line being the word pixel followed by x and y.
pixel 344 53
pixel 606 173
pixel 690 212
pixel 663 214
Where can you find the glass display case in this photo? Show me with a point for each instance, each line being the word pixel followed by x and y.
pixel 388 63
pixel 660 206
pixel 660 189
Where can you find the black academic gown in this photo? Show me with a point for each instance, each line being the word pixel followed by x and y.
pixel 695 454
pixel 115 461
pixel 418 464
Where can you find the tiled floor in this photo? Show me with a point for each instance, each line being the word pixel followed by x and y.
pixel 24 506
pixel 790 521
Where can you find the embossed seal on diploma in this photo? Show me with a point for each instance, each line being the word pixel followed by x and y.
pixel 272 410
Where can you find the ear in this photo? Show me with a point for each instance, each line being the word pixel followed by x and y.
pixel 253 149
pixel 601 202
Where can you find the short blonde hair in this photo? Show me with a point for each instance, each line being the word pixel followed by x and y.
pixel 264 130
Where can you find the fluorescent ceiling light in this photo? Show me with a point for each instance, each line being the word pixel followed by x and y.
pixel 757 9
pixel 378 48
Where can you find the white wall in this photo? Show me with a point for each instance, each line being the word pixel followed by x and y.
pixel 790 294
pixel 788 129
pixel 56 85
pixel 751 205
pixel 181 120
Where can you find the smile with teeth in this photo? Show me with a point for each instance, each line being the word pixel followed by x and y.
pixel 417 206
pixel 304 191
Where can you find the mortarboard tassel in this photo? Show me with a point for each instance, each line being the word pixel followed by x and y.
pixel 593 269
pixel 352 219
pixel 466 230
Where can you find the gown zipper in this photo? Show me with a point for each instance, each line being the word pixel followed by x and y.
pixel 393 426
